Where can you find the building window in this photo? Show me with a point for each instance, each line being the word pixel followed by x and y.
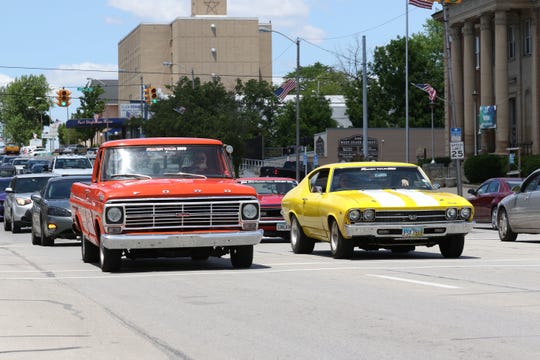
pixel 477 51
pixel 511 42
pixel 527 38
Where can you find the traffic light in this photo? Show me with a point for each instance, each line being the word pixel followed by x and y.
pixel 147 94
pixel 63 97
pixel 153 95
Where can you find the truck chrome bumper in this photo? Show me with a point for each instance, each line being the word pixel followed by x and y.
pixel 159 241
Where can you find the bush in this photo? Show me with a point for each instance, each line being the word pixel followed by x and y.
pixel 529 163
pixel 482 167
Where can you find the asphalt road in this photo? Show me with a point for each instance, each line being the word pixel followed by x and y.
pixel 379 305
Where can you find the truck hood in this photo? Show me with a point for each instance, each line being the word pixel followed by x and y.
pixel 155 188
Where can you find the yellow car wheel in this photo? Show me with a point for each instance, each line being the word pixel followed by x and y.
pixel 300 243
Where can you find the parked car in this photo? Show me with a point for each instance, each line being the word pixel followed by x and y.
pixel 518 212
pixel 270 192
pixel 374 205
pixel 486 197
pixel 37 165
pixel 51 212
pixel 71 165
pixel 76 149
pixel 4 182
pixel 20 164
pixel 18 202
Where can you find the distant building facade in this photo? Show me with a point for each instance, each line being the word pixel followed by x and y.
pixel 208 45
pixel 495 74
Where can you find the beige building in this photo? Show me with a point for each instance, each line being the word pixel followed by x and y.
pixel 495 62
pixel 208 45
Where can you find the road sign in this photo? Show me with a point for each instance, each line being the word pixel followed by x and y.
pixel 455 134
pixel 457 150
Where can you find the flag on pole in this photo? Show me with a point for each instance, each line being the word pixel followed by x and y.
pixel 432 93
pixel 424 4
pixel 284 89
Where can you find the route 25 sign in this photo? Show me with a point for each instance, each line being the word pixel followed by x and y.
pixel 456 150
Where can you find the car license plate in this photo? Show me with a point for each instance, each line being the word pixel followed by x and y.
pixel 282 226
pixel 412 231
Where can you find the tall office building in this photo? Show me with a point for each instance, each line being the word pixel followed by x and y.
pixel 208 45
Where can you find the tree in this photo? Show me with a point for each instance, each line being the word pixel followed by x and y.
pixel 23 105
pixel 91 104
pixel 320 79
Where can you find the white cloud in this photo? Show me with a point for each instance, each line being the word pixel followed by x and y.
pixel 78 74
pixel 5 80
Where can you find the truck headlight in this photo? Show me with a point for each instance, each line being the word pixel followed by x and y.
pixel 250 211
pixel 114 215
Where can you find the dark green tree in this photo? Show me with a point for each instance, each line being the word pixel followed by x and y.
pixel 91 104
pixel 24 103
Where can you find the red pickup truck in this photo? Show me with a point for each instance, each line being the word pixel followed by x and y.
pixel 164 197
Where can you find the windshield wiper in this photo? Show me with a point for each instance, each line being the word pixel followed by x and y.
pixel 186 174
pixel 128 175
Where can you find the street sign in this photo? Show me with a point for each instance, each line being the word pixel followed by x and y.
pixel 455 134
pixel 457 150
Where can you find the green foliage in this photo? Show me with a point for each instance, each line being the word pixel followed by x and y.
pixel 320 79
pixel 482 167
pixel 90 104
pixel 24 103
pixel 529 163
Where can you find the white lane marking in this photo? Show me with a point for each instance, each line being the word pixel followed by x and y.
pixel 414 281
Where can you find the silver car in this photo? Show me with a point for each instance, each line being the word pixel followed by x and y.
pixel 18 202
pixel 518 212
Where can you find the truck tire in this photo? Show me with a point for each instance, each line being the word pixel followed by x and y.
pixel 300 243
pixel 89 252
pixel 452 246
pixel 110 260
pixel 242 256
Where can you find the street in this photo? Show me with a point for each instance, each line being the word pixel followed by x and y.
pixel 379 305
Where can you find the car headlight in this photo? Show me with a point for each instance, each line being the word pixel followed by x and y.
pixel 58 211
pixel 23 201
pixel 465 213
pixel 354 215
pixel 250 211
pixel 451 213
pixel 369 215
pixel 114 215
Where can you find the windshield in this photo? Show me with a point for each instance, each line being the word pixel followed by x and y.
pixel 73 163
pixel 144 162
pixel 373 178
pixel 266 187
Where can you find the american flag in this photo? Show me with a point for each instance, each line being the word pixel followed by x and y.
pixel 432 93
pixel 424 4
pixel 284 89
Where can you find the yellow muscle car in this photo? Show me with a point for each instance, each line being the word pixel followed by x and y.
pixel 375 205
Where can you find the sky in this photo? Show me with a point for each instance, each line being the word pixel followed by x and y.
pixel 70 41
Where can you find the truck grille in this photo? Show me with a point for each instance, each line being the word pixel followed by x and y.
pixel 177 214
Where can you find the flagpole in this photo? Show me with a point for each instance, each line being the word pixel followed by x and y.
pixel 406 80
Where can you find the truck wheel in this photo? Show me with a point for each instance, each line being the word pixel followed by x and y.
pixel 300 243
pixel 110 260
pixel 46 240
pixel 341 248
pixel 242 256
pixel 89 252
pixel 452 246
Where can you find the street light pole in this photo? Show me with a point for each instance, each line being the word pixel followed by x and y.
pixel 297 147
pixel 432 105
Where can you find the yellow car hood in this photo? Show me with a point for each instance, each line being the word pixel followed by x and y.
pixel 398 199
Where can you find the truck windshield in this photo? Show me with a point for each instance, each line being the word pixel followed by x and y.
pixel 165 161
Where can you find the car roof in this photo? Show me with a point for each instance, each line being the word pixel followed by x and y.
pixel 369 164
pixel 70 178
pixel 21 176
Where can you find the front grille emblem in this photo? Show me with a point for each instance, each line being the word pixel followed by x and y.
pixel 413 217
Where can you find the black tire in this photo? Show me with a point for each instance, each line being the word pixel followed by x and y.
pixel 7 224
pixel 242 256
pixel 505 230
pixel 201 253
pixel 89 252
pixel 452 246
pixel 340 247
pixel 494 219
pixel 46 240
pixel 110 260
pixel 15 227
pixel 36 240
pixel 300 243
